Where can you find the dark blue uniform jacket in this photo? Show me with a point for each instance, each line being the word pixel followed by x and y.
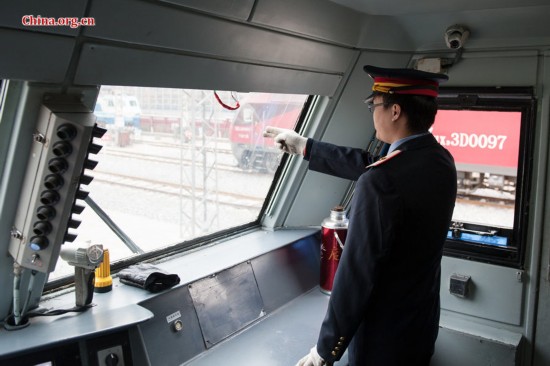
pixel 385 301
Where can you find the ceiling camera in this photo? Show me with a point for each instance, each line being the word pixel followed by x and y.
pixel 455 36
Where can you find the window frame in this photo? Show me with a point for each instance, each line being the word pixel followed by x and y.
pixel 205 240
pixel 499 99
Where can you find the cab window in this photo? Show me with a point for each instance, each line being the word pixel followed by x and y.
pixel 178 169
pixel 489 133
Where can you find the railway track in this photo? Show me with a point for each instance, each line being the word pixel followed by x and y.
pixel 178 190
pixel 485 200
pixel 152 141
pixel 179 146
pixel 166 159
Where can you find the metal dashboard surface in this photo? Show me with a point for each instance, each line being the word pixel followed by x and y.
pixel 279 339
pixel 160 333
pixel 226 302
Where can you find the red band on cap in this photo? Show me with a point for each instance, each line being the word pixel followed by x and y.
pixel 406 86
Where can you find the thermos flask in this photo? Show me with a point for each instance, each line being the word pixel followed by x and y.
pixel 333 236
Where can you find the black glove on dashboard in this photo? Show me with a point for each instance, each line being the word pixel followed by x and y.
pixel 148 277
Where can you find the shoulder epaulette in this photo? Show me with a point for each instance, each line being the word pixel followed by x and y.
pixel 383 159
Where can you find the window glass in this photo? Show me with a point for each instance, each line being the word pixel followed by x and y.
pixel 489 134
pixel 5 128
pixel 485 146
pixel 177 165
pixel 2 93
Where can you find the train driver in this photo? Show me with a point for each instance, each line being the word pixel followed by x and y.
pixel 384 306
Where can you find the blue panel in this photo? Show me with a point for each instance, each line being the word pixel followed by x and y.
pixel 481 239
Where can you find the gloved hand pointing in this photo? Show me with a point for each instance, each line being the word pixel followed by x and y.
pixel 312 359
pixel 286 140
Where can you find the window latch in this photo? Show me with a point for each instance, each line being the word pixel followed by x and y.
pixel 457 228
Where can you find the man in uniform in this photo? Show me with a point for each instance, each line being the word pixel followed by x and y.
pixel 384 306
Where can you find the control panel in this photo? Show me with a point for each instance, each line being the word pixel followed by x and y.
pixel 62 141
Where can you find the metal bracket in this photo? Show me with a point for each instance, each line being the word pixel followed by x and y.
pixel 457 228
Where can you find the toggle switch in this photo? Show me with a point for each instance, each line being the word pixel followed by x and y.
pixel 111 356
pixel 111 359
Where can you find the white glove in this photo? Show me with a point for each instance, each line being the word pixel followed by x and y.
pixel 312 359
pixel 286 140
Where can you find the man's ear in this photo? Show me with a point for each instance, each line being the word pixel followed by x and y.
pixel 395 111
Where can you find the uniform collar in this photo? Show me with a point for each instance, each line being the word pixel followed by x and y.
pixel 410 143
pixel 384 159
pixel 398 143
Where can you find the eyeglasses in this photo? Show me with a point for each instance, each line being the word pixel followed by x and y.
pixel 371 106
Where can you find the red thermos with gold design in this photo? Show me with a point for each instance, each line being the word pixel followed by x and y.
pixel 333 236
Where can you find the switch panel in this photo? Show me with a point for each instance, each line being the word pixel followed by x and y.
pixel 62 140
pixel 459 285
pixel 112 356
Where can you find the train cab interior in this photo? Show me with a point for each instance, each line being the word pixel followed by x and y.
pixel 146 220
